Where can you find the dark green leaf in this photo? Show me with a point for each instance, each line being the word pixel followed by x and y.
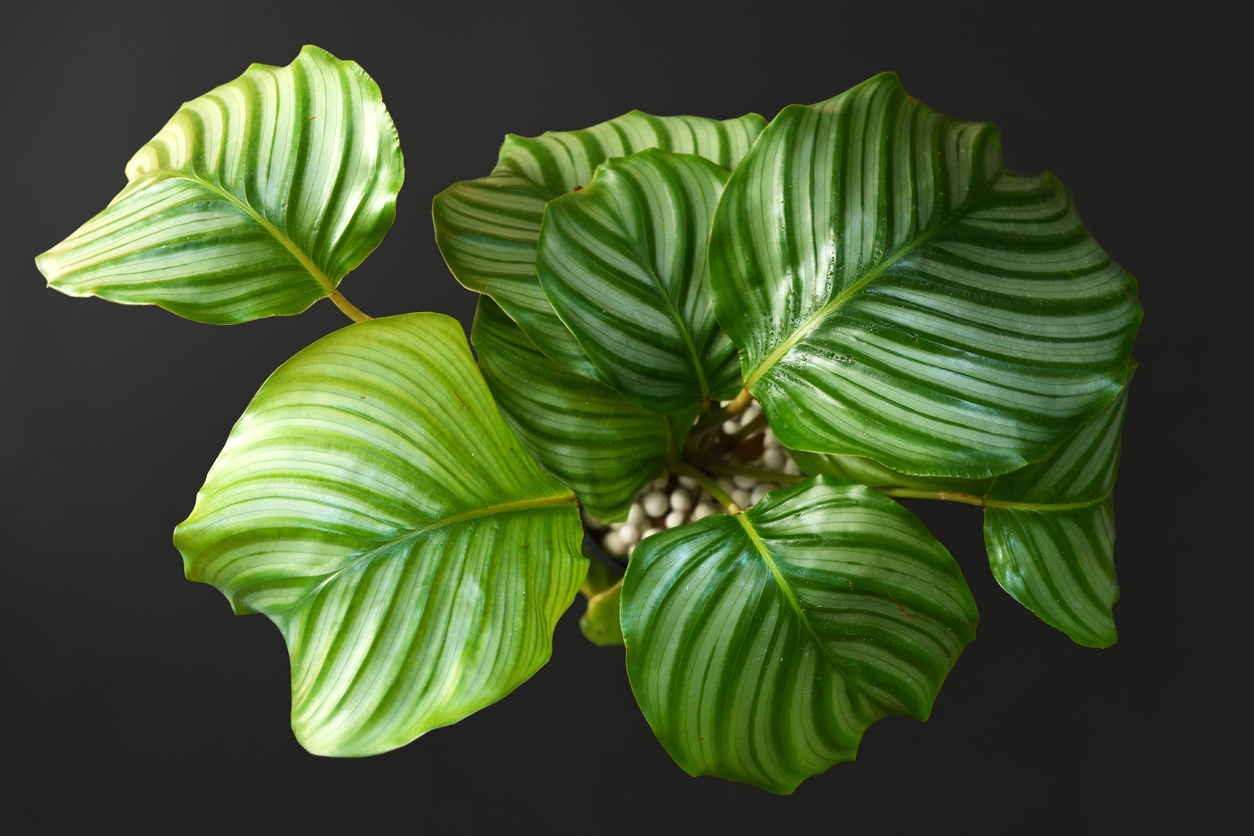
pixel 488 228
pixel 623 264
pixel 1050 531
pixel 760 646
pixel 897 294
pixel 582 431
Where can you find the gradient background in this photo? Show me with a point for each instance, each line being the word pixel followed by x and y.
pixel 133 697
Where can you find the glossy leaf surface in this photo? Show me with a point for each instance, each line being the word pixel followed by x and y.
pixel 488 228
pixel 623 263
pixel 760 646
pixel 1050 531
pixel 256 199
pixel 897 294
pixel 374 505
pixel 582 431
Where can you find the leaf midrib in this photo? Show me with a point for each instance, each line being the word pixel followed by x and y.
pixel 697 365
pixel 261 220
pixel 503 508
pixel 874 273
pixel 669 303
pixel 787 590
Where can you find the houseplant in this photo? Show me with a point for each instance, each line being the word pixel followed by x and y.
pixel 897 303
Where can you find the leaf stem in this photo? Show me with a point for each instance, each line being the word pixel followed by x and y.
pixel 715 417
pixel 948 496
pixel 338 298
pixel 757 473
pixel 711 486
pixel 750 428
pixel 723 469
pixel 349 309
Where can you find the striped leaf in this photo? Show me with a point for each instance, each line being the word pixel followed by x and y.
pixel 897 294
pixel 1049 527
pixel 488 228
pixel 256 199
pixel 1050 531
pixel 760 646
pixel 374 505
pixel 601 445
pixel 623 264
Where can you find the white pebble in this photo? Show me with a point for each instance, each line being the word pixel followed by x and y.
pixel 590 521
pixel 790 466
pixel 741 496
pixel 614 544
pixel 659 483
pixel 760 491
pixel 746 482
pixel 726 484
pixel 705 509
pixel 675 519
pixel 690 484
pixel 631 549
pixel 731 426
pixel 635 517
pixel 655 504
pixel 649 532
pixel 629 534
pixel 769 439
pixel 752 411
pixel 681 500
pixel 773 459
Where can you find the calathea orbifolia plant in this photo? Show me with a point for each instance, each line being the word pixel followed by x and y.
pixel 700 311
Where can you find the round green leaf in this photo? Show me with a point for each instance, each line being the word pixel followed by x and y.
pixel 760 646
pixel 256 199
pixel 374 505
pixel 623 264
pixel 897 294
pixel 488 228
pixel 1050 531
pixel 582 431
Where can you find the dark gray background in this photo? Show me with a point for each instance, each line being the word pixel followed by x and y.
pixel 135 697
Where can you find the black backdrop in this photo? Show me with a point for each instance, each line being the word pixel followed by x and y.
pixel 136 698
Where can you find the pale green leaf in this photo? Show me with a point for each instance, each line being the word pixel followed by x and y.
pixel 256 199
pixel 897 294
pixel 623 264
pixel 760 646
pixel 374 505
pixel 488 228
